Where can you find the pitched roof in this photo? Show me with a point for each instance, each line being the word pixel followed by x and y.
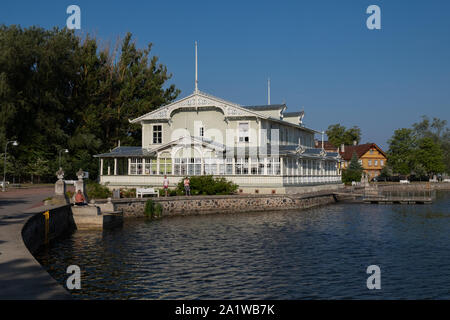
pixel 266 107
pixel 359 149
pixel 293 114
pixel 120 152
pixel 327 145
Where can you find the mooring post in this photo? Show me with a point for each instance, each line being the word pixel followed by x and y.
pixel 47 225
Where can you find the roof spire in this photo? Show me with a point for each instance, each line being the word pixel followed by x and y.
pixel 268 91
pixel 196 72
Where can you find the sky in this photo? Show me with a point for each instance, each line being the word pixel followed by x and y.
pixel 319 54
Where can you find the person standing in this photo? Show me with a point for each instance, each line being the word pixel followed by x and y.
pixel 187 187
pixel 166 184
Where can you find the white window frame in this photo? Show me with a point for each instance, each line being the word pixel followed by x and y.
pixel 153 133
pixel 243 136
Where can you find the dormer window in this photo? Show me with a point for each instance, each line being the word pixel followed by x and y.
pixel 157 134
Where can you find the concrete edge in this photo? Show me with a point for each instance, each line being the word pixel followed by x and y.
pixel 22 277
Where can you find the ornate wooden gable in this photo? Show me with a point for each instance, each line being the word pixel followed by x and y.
pixel 198 100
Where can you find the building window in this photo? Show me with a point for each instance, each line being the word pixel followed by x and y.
pixel 202 132
pixel 242 166
pixel 376 162
pixel 136 166
pixel 150 166
pixel 370 163
pixel 229 166
pixel 276 166
pixel 381 162
pixel 371 151
pixel 157 134
pixel 165 166
pixel 243 132
pixel 210 166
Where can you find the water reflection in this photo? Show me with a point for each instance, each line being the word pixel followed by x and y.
pixel 316 253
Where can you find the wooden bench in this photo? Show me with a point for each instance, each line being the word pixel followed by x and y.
pixel 143 191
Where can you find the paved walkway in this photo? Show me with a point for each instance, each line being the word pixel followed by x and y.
pixel 21 276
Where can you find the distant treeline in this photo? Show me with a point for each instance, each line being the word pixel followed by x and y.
pixel 59 90
pixel 420 151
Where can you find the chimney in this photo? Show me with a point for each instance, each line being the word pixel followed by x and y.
pixel 354 142
pixel 342 148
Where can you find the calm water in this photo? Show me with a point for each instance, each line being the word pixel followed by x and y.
pixel 312 254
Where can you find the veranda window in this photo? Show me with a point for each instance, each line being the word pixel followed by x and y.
pixel 269 166
pixel 229 165
pixel 136 166
pixel 276 166
pixel 165 166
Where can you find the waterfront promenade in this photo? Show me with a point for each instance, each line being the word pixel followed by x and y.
pixel 21 276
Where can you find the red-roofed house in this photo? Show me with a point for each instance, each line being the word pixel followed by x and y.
pixel 371 157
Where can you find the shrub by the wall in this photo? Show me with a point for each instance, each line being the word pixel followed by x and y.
pixel 208 185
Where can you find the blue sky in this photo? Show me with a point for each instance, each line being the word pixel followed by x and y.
pixel 319 54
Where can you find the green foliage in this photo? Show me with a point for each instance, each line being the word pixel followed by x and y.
pixel 401 151
pixel 58 90
pixel 170 192
pixel 128 193
pixel 152 209
pixel 438 131
pixel 422 150
pixel 338 134
pixel 208 185
pixel 386 172
pixel 429 156
pixel 351 175
pixel 149 209
pixel 354 163
pixel 95 190
pixel 354 171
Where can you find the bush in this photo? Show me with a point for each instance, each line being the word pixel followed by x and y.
pixel 350 175
pixel 170 192
pixel 128 193
pixel 208 185
pixel 95 190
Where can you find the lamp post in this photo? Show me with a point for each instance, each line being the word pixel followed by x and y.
pixel 66 151
pixel 14 143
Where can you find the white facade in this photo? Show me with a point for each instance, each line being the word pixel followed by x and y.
pixel 259 148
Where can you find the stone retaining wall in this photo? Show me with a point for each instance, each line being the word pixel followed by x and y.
pixel 223 204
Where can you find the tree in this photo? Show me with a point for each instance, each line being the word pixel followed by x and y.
pixel 338 134
pixel 386 172
pixel 438 131
pixel 58 90
pixel 429 156
pixel 401 151
pixel 354 170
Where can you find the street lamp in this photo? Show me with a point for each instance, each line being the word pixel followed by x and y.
pixel 14 143
pixel 66 151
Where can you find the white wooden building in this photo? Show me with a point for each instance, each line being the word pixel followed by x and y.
pixel 261 148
